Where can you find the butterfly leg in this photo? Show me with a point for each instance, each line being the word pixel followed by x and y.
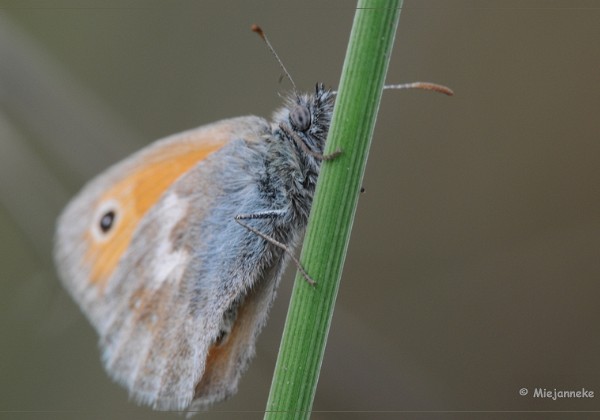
pixel 272 215
pixel 287 130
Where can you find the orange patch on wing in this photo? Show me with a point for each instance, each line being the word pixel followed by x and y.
pixel 136 194
pixel 220 360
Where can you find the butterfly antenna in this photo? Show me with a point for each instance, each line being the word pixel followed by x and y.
pixel 417 85
pixel 261 33
pixel 423 85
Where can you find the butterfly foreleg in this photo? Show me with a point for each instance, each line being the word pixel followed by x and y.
pixel 273 214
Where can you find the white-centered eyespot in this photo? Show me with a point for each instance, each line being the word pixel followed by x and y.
pixel 105 219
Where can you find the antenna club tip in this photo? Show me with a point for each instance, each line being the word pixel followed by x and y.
pixel 258 30
pixel 447 91
pixel 435 87
pixel 423 85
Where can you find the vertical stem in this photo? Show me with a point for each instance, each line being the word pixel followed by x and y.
pixel 326 242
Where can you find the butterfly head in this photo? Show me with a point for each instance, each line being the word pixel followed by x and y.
pixel 305 120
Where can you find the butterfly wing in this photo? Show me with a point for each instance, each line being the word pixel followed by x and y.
pixel 176 289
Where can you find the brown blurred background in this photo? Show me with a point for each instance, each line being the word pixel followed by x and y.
pixel 474 264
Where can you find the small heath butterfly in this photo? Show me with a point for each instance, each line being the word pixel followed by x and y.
pixel 175 253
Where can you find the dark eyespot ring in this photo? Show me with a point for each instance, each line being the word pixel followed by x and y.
pixel 300 118
pixel 107 220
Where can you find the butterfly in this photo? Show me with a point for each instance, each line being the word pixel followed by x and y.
pixel 175 253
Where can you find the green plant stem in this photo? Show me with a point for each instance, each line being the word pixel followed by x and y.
pixel 326 241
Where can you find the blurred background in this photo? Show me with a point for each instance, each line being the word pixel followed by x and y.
pixel 474 264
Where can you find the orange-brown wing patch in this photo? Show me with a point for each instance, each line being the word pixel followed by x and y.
pixel 221 357
pixel 135 195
